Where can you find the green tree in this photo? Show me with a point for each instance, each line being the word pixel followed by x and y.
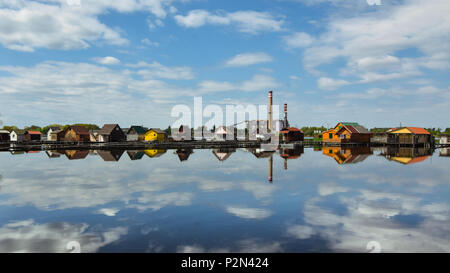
pixel 9 128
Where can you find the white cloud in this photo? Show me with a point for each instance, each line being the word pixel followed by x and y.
pixel 54 24
pixel 298 40
pixel 246 59
pixel 372 36
pixel 157 70
pixel 107 60
pixel 251 22
pixel 256 83
pixel 331 84
pixel 148 42
pixel 249 213
pixel 330 188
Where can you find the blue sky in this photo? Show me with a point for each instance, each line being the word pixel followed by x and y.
pixel 130 61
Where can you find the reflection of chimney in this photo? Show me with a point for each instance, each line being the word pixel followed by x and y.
pixel 269 122
pixel 285 164
pixel 271 168
pixel 286 122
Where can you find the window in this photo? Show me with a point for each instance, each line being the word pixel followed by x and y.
pixel 330 135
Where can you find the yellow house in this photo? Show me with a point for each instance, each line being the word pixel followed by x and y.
pixel 155 135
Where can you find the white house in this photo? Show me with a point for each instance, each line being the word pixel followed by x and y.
pixel 444 139
pixel 17 135
pixel 52 130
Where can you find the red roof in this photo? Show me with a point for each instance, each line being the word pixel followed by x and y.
pixel 418 131
pixel 290 129
pixel 418 159
pixel 34 133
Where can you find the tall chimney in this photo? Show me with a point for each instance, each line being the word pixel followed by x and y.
pixel 286 122
pixel 269 122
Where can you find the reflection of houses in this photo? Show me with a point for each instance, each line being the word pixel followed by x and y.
pixel 52 133
pixel 110 155
pixel 17 152
pixel 407 155
pixel 53 154
pixel 260 153
pixel 347 132
pixel 409 136
pixel 292 134
pixel 155 134
pixel 290 154
pixel 223 154
pixel 76 134
pixel 111 133
pixel 136 133
pixel 33 135
pixel 154 153
pixel 347 155
pixel 76 154
pixel 17 135
pixel 135 155
pixel 183 154
pixel 444 152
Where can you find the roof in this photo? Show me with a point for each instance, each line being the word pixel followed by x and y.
pixel 79 130
pixel 414 130
pixel 356 129
pixel 140 130
pixel 34 133
pixel 4 132
pixel 350 123
pixel 107 129
pixel 55 128
pixel 290 129
pixel 157 130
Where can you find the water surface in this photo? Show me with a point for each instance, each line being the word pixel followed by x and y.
pixel 322 200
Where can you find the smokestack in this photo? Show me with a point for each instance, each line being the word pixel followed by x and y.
pixel 269 123
pixel 286 122
pixel 271 168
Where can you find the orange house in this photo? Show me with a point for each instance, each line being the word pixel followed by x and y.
pixel 346 156
pixel 347 132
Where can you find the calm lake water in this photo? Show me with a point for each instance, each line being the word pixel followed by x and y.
pixel 329 200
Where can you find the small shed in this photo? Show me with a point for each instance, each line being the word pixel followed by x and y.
pixel 17 135
pixel 136 133
pixel 183 133
pixel 135 155
pixel 292 134
pixel 33 136
pixel 183 154
pixel 154 153
pixel 223 154
pixel 111 133
pixel 444 139
pixel 76 134
pixel 347 132
pixel 52 133
pixel 409 136
pixel 155 134
pixel 4 136
pixel 221 133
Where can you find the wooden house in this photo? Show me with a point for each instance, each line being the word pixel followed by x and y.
pixel 347 132
pixel 155 134
pixel 17 135
pixel 409 136
pixel 347 155
pixel 292 134
pixel 136 133
pixel 111 133
pixel 4 136
pixel 444 152
pixel 53 154
pixel 94 136
pixel 110 155
pixel 33 136
pixel 76 134
pixel 52 133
